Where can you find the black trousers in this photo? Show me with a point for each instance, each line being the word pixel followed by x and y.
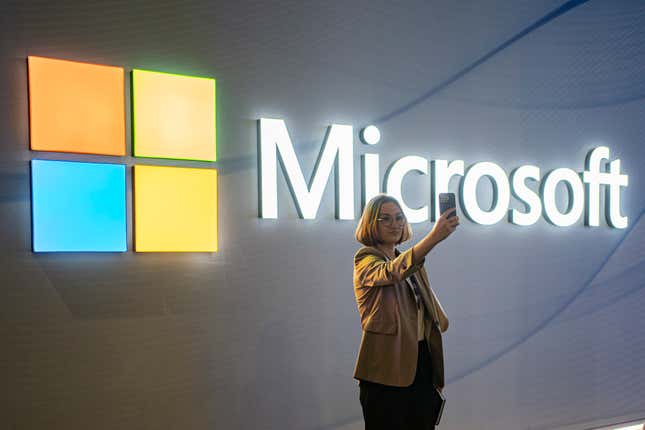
pixel 402 408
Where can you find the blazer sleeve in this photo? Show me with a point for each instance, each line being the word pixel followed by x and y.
pixel 372 270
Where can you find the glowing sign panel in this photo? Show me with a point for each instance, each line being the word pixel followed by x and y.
pixel 175 209
pixel 78 206
pixel 173 116
pixel 76 107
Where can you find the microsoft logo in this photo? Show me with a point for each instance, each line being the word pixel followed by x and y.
pixel 79 108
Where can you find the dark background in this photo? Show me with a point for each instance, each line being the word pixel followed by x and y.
pixel 546 322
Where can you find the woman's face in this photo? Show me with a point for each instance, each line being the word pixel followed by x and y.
pixel 390 223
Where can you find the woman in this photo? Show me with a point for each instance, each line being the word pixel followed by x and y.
pixel 400 358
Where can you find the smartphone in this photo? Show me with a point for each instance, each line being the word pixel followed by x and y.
pixel 447 201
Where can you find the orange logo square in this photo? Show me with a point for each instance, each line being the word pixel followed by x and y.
pixel 76 107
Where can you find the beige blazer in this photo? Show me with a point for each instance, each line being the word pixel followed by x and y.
pixel 389 347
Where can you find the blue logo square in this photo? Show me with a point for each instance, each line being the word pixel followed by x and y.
pixel 78 206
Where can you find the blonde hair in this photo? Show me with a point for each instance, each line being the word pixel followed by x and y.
pixel 367 229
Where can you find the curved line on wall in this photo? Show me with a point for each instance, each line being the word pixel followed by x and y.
pixel 558 107
pixel 564 8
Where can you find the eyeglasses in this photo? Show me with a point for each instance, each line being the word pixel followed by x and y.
pixel 389 221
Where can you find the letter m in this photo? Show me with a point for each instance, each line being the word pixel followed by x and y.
pixel 273 139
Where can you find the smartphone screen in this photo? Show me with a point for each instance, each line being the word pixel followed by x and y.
pixel 447 201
